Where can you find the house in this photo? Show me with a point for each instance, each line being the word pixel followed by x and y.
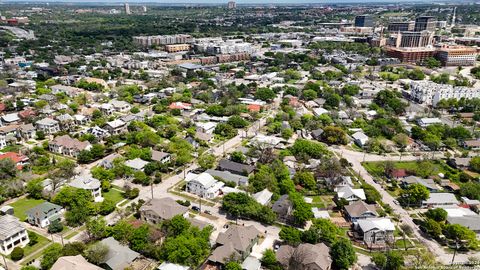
pixel 319 111
pixel 251 263
pixel 18 159
pixel 107 162
pixel 375 232
pixel 304 256
pixel 360 210
pixel 158 210
pixel 65 145
pixel 107 108
pixel 172 266
pixel 43 214
pixel 203 185
pixel 235 167
pixel 119 256
pixel 263 197
pixel 12 234
pixel 471 144
pixel 81 119
pixel 66 121
pixel 339 182
pixel 239 180
pixel 428 183
pixel 73 263
pixel 120 105
pixel 27 132
pixel 98 132
pixel 48 125
pixel 116 127
pixel 69 90
pixel 283 207
pixel 459 162
pixel 398 173
pixel 89 183
pixel 236 242
pixel 440 199
pixel 360 138
pixel 9 119
pixel 350 194
pixel 161 157
pixel 425 122
pixel 136 164
pixel 8 135
pixel 180 106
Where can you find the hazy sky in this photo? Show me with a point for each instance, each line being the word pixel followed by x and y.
pixel 225 1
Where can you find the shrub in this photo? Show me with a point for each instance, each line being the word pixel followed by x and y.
pixel 17 254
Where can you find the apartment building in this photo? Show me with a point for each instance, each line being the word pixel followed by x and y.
pixel 409 39
pixel 411 55
pixel 173 48
pixel 430 93
pixel 147 41
pixel 457 55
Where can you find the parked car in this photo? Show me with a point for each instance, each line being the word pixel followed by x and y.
pixel 196 208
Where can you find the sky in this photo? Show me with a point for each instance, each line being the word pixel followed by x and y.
pixel 238 1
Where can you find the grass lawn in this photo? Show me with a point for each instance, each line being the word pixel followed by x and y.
pixel 417 168
pixel 22 205
pixel 113 195
pixel 401 243
pixel 42 241
pixel 322 201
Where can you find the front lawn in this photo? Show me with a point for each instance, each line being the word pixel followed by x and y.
pixel 22 205
pixel 421 169
pixel 114 195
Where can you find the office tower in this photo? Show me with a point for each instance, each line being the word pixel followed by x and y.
pixel 395 27
pixel 127 8
pixel 144 8
pixel 414 39
pixel 425 23
pixel 364 21
pixel 232 5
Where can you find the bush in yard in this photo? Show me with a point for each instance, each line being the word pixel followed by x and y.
pixel 17 254
pixel 33 238
pixel 131 193
pixel 55 227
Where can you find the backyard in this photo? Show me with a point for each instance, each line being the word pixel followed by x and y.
pixel 22 205
pixel 424 168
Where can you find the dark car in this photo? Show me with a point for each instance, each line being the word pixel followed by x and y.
pixel 196 208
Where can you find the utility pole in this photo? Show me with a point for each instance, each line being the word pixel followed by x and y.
pixel 455 250
pixel 5 262
pixel 151 186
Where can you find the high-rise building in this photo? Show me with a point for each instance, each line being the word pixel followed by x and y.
pixel 144 9
pixel 411 55
pixel 401 26
pixel 232 5
pixel 412 39
pixel 364 21
pixel 425 23
pixel 457 55
pixel 127 8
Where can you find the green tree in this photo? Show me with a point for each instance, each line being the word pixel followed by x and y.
pixel 343 254
pixel 305 179
pixel 96 228
pixel 207 161
pixel 432 227
pixel 17 254
pixel 290 235
pixel 334 135
pixel 437 214
pixel 50 255
pixel 233 266
pixel 475 164
pixel 97 253
pixel 265 94
pixel 35 188
pixel 414 194
pixel 55 226
pixel 269 259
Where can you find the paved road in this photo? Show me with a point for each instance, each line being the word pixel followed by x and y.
pixel 355 158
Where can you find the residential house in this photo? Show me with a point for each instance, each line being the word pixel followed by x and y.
pixel 10 119
pixel 18 159
pixel 428 183
pixel 235 167
pixel 8 135
pixel 439 200
pixel 74 263
pixel 48 125
pixel 136 164
pixel 203 185
pixel 120 105
pixel 43 214
pixel 459 162
pixel 89 183
pixel 305 256
pixel 65 145
pixel 107 108
pixel 227 176
pixel 119 257
pixel 107 162
pixel 471 144
pixel 237 242
pixel 283 207
pixel 66 121
pixel 251 263
pixel 26 132
pixel 161 157
pixel 263 197
pixel 116 127
pixel 375 232
pixel 206 127
pixel 180 106
pixel 69 90
pixel 98 132
pixel 172 266
pixel 425 122
pixel 158 210
pixel 360 138
pixel 12 234
pixel 81 119
pixel 351 194
pixel 360 210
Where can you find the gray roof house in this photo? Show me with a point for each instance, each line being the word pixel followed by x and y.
pixel 235 167
pixel 428 183
pixel 360 210
pixel 305 256
pixel 283 207
pixel 137 164
pixel 157 210
pixel 360 138
pixel 161 157
pixel 12 234
pixel 237 241
pixel 440 199
pixel 43 214
pixel 119 256
pixel 263 197
pixel 470 221
pixel 239 180
pixel 73 263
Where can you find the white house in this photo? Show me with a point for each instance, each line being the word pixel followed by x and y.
pixel 43 214
pixel 440 199
pixel 351 194
pixel 87 182
pixel 136 164
pixel 116 127
pixel 120 105
pixel 12 234
pixel 360 138
pixel 48 125
pixel 375 231
pixel 425 122
pixel 203 185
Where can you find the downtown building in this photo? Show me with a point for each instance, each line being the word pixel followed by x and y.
pixel 457 55
pixel 430 93
pixel 147 41
pixel 394 27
